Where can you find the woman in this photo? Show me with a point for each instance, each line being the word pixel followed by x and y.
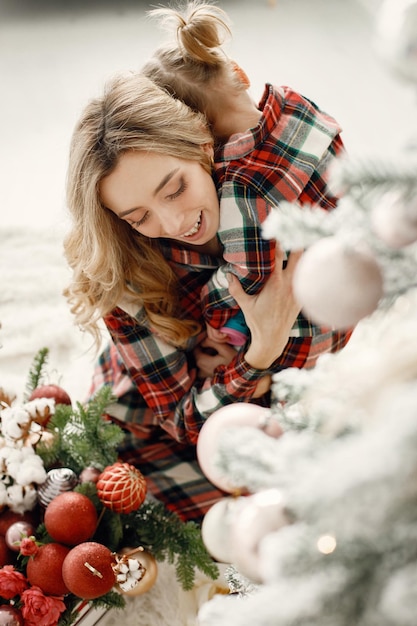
pixel 141 160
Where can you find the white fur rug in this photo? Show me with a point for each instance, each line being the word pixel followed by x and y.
pixel 33 315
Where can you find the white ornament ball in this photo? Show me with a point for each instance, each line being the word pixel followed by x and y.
pixel 337 285
pixel 216 528
pixel 262 514
pixel 396 36
pixel 230 416
pixel 394 220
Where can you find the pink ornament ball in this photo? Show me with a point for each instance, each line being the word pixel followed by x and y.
pixel 262 514
pixel 217 525
pixel 16 532
pixel 230 416
pixel 337 285
pixel 396 37
pixel 10 616
pixel 394 220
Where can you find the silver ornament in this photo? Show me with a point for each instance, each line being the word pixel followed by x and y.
pixel 57 481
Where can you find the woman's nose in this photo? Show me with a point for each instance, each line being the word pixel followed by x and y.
pixel 173 223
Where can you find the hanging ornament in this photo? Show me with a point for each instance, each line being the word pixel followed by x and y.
pixel 57 481
pixel 10 616
pixel 136 571
pixel 230 416
pixel 16 532
pixel 71 518
pixel 121 487
pixel 396 36
pixel 217 525
pixel 261 514
pixel 337 285
pixel 87 570
pixel 394 219
pixel 90 475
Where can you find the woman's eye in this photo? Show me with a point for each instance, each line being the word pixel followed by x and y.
pixel 179 191
pixel 141 221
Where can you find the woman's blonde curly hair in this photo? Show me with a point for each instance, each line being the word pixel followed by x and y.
pixel 110 261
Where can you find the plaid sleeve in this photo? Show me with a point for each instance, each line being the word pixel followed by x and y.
pixel 245 253
pixel 288 157
pixel 166 379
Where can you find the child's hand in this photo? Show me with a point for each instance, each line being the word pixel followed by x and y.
pixel 210 354
pixel 216 335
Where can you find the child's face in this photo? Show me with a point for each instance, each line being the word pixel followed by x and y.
pixel 163 196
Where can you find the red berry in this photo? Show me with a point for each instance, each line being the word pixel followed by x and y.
pixel 70 518
pixel 88 570
pixel 121 487
pixel 51 391
pixel 45 569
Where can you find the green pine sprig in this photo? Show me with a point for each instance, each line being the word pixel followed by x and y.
pixel 170 539
pixel 82 436
pixel 36 371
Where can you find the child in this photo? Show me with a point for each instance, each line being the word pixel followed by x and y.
pixel 279 150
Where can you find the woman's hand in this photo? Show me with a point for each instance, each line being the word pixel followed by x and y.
pixel 271 313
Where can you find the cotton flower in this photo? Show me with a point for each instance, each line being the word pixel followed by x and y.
pixel 21 499
pixel 39 406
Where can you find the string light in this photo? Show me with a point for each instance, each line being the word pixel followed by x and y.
pixel 326 544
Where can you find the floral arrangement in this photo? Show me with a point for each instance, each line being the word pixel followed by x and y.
pixel 76 526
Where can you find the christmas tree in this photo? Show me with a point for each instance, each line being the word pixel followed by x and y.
pixel 321 524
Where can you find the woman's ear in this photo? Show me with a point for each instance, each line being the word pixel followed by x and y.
pixel 209 149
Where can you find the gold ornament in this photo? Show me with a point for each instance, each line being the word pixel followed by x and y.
pixel 136 571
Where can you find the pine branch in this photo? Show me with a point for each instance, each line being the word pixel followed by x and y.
pixel 82 437
pixel 171 539
pixel 36 371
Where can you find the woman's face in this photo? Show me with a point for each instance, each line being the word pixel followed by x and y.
pixel 163 196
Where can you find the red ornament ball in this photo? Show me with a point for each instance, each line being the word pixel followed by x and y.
pixel 7 556
pixel 10 616
pixel 9 517
pixel 45 569
pixel 88 570
pixel 16 532
pixel 70 518
pixel 51 391
pixel 121 487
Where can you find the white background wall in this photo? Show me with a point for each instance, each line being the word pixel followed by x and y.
pixel 54 56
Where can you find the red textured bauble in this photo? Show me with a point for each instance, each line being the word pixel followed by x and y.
pixel 70 518
pixel 51 391
pixel 9 616
pixel 88 570
pixel 44 570
pixel 16 532
pixel 7 556
pixel 121 487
